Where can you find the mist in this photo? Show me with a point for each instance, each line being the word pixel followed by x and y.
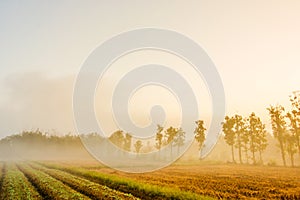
pixel 34 100
pixel 36 145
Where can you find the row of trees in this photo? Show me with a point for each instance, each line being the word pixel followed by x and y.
pixel 174 137
pixel 248 135
pixel 33 141
pixel 286 127
pixel 124 141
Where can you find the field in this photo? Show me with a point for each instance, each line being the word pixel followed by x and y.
pixel 75 180
pixel 32 180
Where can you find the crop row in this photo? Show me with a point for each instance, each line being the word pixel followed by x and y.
pixel 16 186
pixel 138 189
pixel 89 188
pixel 1 174
pixel 49 187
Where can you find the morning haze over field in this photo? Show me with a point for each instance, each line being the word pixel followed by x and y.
pixel 255 47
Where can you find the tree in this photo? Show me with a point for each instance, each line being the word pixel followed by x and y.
pixel 245 143
pixel 138 145
pixel 148 148
pixel 294 118
pixel 294 127
pixel 278 127
pixel 170 134
pixel 291 147
pixel 239 129
pixel 227 128
pixel 262 144
pixel 118 138
pixel 257 136
pixel 159 137
pixel 179 139
pixel 200 133
pixel 127 143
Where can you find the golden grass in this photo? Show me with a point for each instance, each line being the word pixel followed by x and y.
pixel 221 180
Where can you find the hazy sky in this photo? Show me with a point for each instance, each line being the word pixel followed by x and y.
pixel 255 46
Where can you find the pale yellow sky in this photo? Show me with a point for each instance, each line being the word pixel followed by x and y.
pixel 255 46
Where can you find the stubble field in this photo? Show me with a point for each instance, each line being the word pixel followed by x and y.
pixel 89 180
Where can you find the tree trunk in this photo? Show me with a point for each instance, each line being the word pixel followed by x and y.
pixel 260 157
pixel 240 150
pixel 159 153
pixel 200 153
pixel 240 154
pixel 171 150
pixel 298 144
pixel 282 152
pixel 253 151
pixel 246 152
pixel 232 154
pixel 253 156
pixel 292 159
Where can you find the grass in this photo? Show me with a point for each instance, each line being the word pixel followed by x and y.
pixel 91 189
pixel 222 181
pixel 55 180
pixel 30 180
pixel 138 189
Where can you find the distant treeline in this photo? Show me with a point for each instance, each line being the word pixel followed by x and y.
pixel 39 139
pixel 39 145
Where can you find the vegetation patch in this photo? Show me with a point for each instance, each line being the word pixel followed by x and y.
pixel 138 189
pixel 49 187
pixel 16 186
pixel 91 189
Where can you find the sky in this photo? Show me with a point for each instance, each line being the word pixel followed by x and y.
pixel 255 46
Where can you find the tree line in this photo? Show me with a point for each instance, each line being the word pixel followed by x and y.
pixel 36 139
pixel 171 136
pixel 248 135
